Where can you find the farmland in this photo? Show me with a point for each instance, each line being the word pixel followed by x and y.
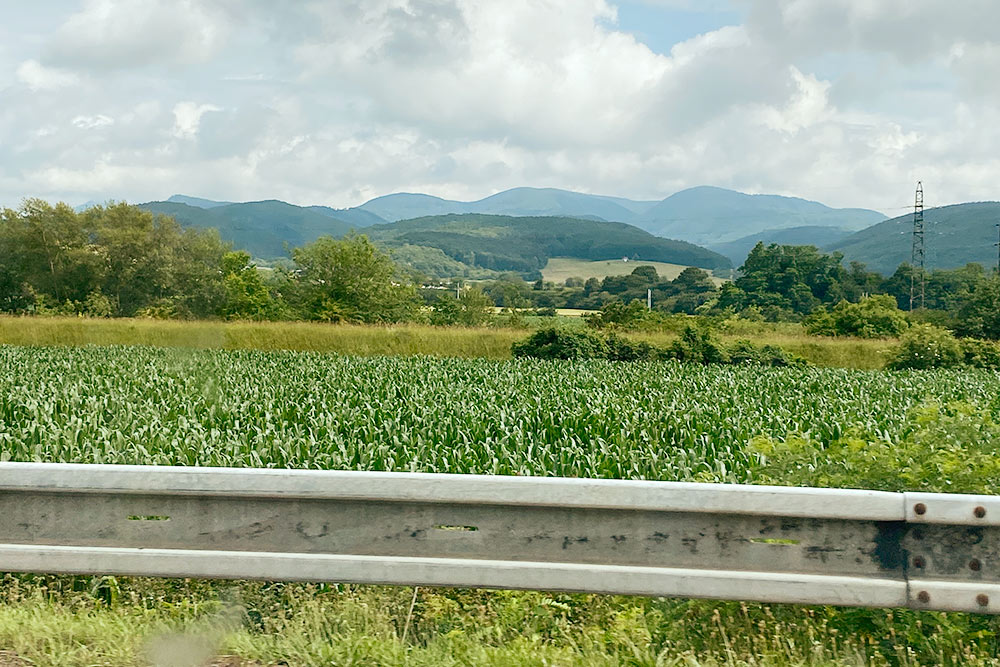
pixel 597 419
pixel 558 269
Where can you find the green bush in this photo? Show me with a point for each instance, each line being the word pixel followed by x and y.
pixel 927 346
pixel 980 353
pixel 873 317
pixel 623 349
pixel 617 314
pixel 942 448
pixel 696 345
pixel 559 343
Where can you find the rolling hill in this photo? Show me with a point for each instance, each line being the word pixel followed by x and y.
pixel 820 237
pixel 515 202
pixel 525 244
pixel 263 228
pixel 708 215
pixel 953 236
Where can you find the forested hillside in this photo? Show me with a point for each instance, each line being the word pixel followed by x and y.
pixel 524 244
pixel 265 229
pixel 953 237
pixel 818 236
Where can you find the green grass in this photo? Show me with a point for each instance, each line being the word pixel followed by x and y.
pixel 398 340
pixel 58 621
pixel 558 269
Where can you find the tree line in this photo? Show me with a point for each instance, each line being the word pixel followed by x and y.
pixel 122 261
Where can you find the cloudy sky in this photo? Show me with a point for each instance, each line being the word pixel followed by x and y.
pixel 849 102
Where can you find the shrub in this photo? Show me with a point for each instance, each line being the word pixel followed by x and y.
pixel 948 448
pixel 746 352
pixel 696 345
pixel 873 317
pixel 980 353
pixel 472 308
pixel 558 343
pixel 623 349
pixel 926 346
pixel 618 314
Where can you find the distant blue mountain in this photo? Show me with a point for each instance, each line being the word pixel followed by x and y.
pixel 516 202
pixel 708 215
pixel 197 202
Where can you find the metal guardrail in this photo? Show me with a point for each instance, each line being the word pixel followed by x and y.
pixel 768 544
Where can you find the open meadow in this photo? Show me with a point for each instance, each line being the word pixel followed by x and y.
pixel 398 339
pixel 662 420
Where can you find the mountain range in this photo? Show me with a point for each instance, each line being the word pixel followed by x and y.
pixel 702 215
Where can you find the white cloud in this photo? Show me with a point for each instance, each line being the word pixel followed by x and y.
pixel 39 77
pixel 91 122
pixel 187 118
pixel 122 34
pixel 336 102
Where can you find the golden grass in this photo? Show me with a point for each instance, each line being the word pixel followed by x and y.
pixel 395 340
pixel 405 339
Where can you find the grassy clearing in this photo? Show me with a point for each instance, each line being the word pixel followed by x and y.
pixel 558 269
pixel 398 340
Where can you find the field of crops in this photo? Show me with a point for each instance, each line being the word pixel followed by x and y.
pixel 597 419
pixel 287 409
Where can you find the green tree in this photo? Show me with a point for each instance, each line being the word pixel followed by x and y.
pixel 247 296
pixel 351 280
pixel 979 316
pixel 789 280
pixel 472 308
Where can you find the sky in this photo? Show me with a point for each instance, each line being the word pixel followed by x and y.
pixel 848 102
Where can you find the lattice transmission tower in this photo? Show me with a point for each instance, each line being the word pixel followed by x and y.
pixel 917 253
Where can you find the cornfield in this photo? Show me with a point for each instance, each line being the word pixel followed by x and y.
pixel 305 410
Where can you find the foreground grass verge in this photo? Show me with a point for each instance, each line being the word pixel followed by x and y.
pixel 397 340
pixel 77 621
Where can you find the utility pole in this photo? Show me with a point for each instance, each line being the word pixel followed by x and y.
pixel 917 252
pixel 649 299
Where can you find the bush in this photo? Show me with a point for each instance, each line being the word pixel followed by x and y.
pixel 942 448
pixel 872 317
pixel 558 343
pixel 927 346
pixel 623 349
pixel 471 309
pixel 619 315
pixel 980 353
pixel 696 345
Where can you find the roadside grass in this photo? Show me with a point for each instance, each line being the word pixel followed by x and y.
pixel 47 621
pixel 395 340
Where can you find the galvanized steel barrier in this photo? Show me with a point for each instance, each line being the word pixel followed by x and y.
pixel 769 544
